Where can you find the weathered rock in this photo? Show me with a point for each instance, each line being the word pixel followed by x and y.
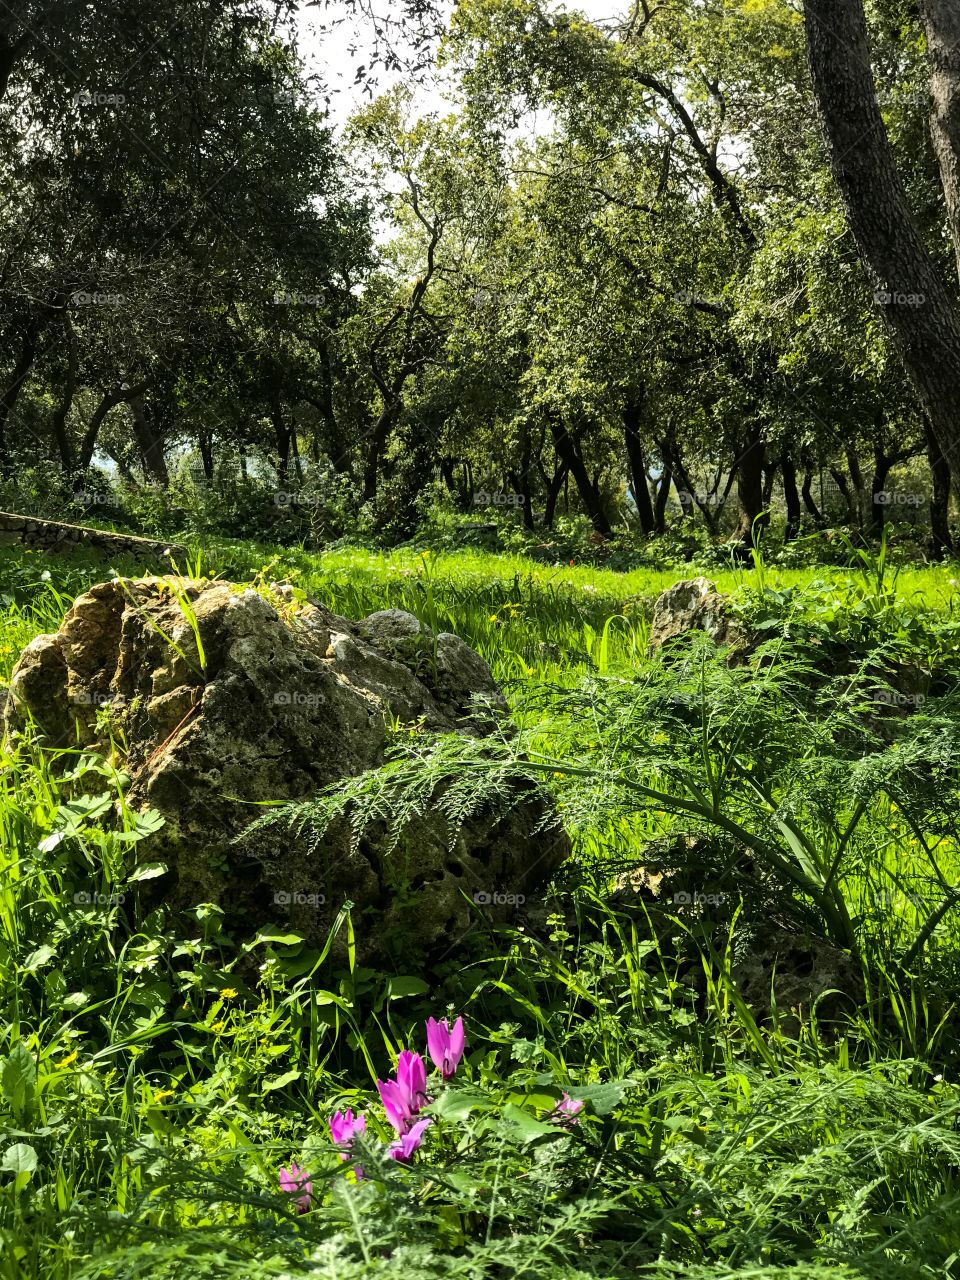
pixel 453 670
pixel 797 975
pixel 695 605
pixel 777 968
pixel 279 699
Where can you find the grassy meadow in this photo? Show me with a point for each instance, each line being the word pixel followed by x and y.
pixel 621 1109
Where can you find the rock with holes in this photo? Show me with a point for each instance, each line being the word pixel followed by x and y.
pixel 695 605
pixel 228 699
pixel 788 976
pixel 783 973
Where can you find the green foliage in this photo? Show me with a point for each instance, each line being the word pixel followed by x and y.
pixel 533 344
pixel 154 1081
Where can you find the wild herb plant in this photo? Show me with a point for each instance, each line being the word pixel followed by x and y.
pixel 156 1080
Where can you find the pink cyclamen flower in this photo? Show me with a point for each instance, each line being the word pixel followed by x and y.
pixel 412 1076
pixel 445 1046
pixel 402 1098
pixel 567 1109
pixel 396 1103
pixel 409 1142
pixel 295 1183
pixel 344 1128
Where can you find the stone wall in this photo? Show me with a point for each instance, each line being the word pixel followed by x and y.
pixel 52 535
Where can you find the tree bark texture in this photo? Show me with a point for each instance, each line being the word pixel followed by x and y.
pixel 919 314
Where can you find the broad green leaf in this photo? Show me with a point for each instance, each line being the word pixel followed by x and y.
pixel 533 1101
pixel 457 1104
pixel 18 1078
pixel 37 959
pixel 84 808
pixel 603 1097
pixel 526 1127
pixel 153 996
pixel 55 985
pixel 148 871
pixel 407 986
pixel 279 1082
pixel 149 822
pixel 20 1158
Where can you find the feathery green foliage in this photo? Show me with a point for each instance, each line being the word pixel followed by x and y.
pixel 152 1085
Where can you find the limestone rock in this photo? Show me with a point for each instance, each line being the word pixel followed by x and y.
pixel 229 699
pixel 695 605
pixel 800 974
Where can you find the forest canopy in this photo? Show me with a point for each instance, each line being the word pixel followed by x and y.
pixel 687 266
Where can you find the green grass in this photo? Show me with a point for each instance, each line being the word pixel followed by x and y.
pixel 519 614
pixel 152 1087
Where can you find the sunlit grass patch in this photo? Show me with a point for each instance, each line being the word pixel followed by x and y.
pixel 155 1082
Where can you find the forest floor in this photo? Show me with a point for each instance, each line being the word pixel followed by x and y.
pixel 621 1108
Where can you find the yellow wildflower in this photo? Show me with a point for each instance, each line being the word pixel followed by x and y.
pixel 68 1061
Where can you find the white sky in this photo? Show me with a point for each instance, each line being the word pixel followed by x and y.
pixel 327 51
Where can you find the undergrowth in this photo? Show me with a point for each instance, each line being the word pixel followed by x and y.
pixel 155 1080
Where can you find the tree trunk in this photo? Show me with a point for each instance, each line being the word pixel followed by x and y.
pixel 88 443
pixel 109 401
pixel 10 395
pixel 919 314
pixel 791 497
pixel 806 493
pixel 769 476
pixel 690 499
pixel 849 497
pixel 339 447
pixel 62 412
pixel 941 543
pixel 123 466
pixel 856 475
pixel 568 451
pixel 281 434
pixel 205 445
pixel 941 21
pixel 637 464
pixel 521 482
pixel 661 500
pixel 749 489
pixel 878 490
pixel 378 441
pixel 686 493
pixel 552 484
pixel 149 443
